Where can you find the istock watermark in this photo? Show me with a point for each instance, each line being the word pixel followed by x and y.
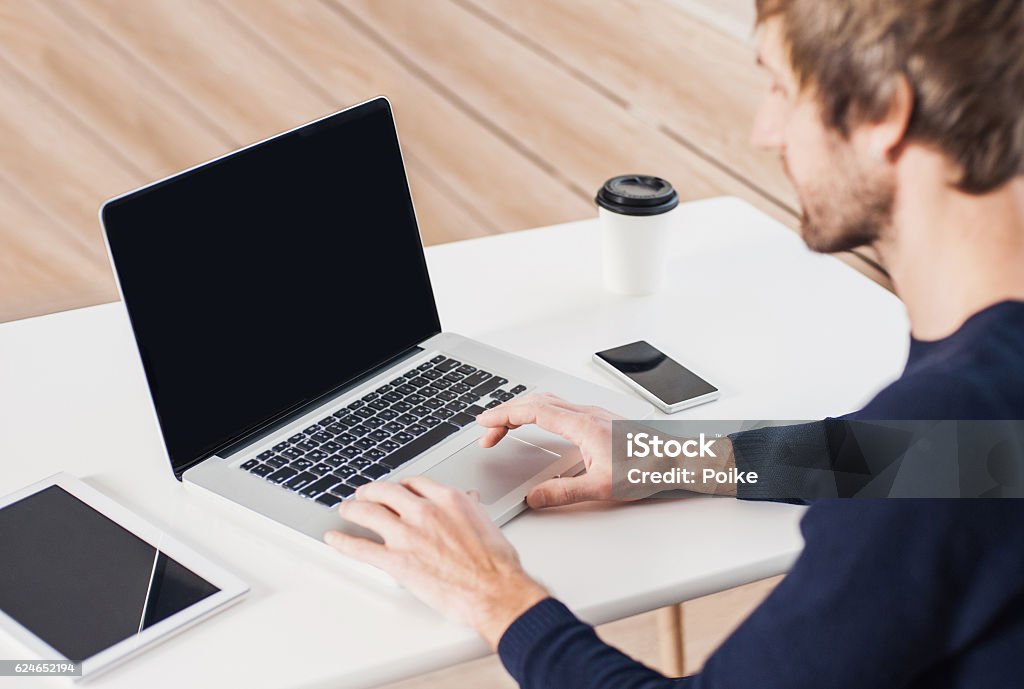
pixel 809 460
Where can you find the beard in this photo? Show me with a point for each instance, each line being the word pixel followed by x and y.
pixel 849 207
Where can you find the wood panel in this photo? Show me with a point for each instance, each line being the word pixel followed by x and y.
pixel 499 186
pixel 556 118
pixel 130 110
pixel 664 65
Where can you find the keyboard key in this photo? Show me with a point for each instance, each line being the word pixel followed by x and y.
pixel 379 405
pixel 262 470
pixel 415 399
pixel 384 448
pixel 454 377
pixel 342 490
pixel 393 427
pixel 317 487
pixel 301 481
pixel 405 389
pixel 316 456
pixel 437 359
pixel 477 378
pixel 466 369
pixel 469 398
pixel 369 397
pixel 376 471
pixel 435 403
pixel 336 428
pixel 419 445
pixel 335 461
pixel 375 453
pixel 332 446
pixel 351 451
pixel 447 365
pixel 461 419
pixel 457 405
pixel 502 381
pixel 282 474
pixel 311 430
pixel 387 414
pixel 392 397
pixel 329 499
pixel 504 396
pixel 492 404
pixel 401 407
pixel 265 455
pixel 430 421
pixel 291 452
pixel 356 405
pixel 460 388
pixel 345 439
pixel 324 423
pixel 406 419
pixel 441 384
pixel 280 446
pixel 322 469
pixel 365 443
pixel 473 410
pixel 341 413
pixel 359 430
pixel 297 438
pixel 402 438
pixel 343 472
pixel 416 429
pixel 383 389
pixel 379 435
pixel 446 396
pixel 421 411
pixel 251 463
pixel 419 382
pixel 518 389
pixel 276 461
pixel 443 414
pixel 424 366
pixel 301 464
pixel 357 480
pixel 374 422
pixel 432 375
pixel 365 412
pixel 360 463
pixel 306 446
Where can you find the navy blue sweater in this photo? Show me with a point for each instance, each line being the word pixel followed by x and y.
pixel 887 593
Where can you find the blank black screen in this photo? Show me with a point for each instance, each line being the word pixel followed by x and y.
pixel 81 582
pixel 270 277
pixel 656 372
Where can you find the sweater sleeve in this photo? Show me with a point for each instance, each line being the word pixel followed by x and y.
pixel 862 607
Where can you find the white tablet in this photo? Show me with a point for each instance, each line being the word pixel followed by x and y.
pixel 83 579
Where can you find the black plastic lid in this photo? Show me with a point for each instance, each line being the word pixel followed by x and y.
pixel 637 195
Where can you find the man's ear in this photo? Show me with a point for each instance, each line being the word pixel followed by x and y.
pixel 883 138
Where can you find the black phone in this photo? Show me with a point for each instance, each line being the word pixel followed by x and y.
pixel 659 378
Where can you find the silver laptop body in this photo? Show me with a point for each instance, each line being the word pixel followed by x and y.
pixel 212 248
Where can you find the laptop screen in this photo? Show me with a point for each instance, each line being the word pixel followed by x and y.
pixel 265 279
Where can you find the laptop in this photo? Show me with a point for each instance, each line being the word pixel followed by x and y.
pixel 285 321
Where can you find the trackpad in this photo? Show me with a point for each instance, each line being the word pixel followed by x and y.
pixel 493 472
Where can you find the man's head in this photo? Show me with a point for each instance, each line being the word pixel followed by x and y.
pixel 854 82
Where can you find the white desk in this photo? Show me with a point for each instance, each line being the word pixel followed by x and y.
pixel 795 336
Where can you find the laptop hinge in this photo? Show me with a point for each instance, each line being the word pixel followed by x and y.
pixel 276 423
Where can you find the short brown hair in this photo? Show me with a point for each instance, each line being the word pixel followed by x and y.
pixel 964 60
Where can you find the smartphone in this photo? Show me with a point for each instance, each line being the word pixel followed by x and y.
pixel 659 378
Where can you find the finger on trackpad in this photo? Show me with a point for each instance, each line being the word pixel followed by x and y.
pixel 495 471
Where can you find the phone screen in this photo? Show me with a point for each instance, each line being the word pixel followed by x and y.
pixel 653 370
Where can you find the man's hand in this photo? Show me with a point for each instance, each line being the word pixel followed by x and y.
pixel 440 545
pixel 589 428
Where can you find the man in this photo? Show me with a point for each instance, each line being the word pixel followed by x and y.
pixel 901 126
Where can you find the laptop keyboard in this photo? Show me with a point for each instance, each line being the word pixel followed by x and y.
pixel 382 430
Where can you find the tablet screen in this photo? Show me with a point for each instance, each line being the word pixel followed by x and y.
pixel 81 582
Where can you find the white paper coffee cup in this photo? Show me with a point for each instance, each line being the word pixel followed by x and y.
pixel 637 220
